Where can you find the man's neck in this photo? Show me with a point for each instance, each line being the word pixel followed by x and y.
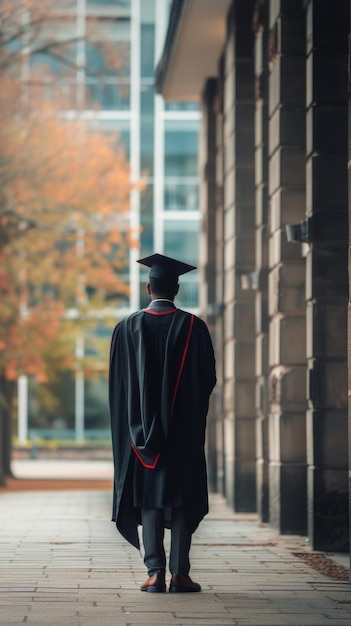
pixel 162 300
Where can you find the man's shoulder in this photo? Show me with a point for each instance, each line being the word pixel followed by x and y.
pixel 131 316
pixel 125 322
pixel 197 321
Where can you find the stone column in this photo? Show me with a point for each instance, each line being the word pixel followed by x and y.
pixel 238 228
pixel 208 294
pixel 349 303
pixel 260 277
pixel 287 336
pixel 326 273
pixel 220 279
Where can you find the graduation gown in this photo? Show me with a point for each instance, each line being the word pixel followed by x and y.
pixel 162 372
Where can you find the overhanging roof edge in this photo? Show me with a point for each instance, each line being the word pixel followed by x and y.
pixel 176 16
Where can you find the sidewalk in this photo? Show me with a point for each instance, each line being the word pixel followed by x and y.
pixel 72 469
pixel 63 562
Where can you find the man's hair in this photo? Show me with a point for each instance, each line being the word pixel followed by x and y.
pixel 164 287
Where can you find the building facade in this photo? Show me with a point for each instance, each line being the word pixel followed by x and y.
pixel 272 80
pixel 110 84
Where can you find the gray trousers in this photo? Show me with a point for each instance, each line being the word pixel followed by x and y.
pixel 153 536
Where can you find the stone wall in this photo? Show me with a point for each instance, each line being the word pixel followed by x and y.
pixel 239 259
pixel 326 273
pixel 275 236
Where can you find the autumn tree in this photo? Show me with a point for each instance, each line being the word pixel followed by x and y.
pixel 64 199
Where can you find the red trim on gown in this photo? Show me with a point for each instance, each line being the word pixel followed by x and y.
pixel 155 461
pixel 160 312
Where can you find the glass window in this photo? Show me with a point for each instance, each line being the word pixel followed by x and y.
pixel 125 4
pixel 147 56
pixel 107 49
pixel 181 240
pixel 181 194
pixel 108 29
pixel 61 59
pixel 147 130
pixel 110 59
pixel 108 93
pixel 45 64
pixel 124 141
pixel 96 415
pixel 182 106
pixel 57 29
pixel 147 11
pixel 181 148
pixel 188 294
pixel 146 221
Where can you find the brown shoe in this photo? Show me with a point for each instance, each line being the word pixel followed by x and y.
pixel 155 583
pixel 182 583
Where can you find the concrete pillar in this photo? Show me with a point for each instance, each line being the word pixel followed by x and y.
pixel 239 258
pixel 326 273
pixel 286 279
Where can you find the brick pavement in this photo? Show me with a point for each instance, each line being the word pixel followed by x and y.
pixel 63 562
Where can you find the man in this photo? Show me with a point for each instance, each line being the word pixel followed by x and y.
pixel 162 372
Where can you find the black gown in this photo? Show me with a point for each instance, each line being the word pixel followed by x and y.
pixel 162 372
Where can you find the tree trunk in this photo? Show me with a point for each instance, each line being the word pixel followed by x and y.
pixel 7 397
pixel 2 468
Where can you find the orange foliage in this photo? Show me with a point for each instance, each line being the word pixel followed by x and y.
pixel 64 202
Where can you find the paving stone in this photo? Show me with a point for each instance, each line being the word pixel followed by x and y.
pixel 65 563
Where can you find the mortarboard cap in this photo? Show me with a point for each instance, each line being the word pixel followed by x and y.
pixel 164 267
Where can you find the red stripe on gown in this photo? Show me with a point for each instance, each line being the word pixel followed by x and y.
pixel 182 361
pixel 155 461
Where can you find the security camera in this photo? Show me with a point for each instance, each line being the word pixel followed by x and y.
pixel 298 233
